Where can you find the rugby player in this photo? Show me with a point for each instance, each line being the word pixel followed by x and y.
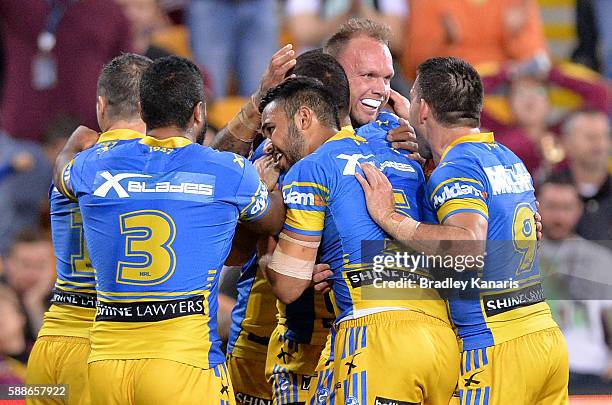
pixel 372 69
pixel 59 355
pixel 159 216
pixel 326 210
pixel 512 350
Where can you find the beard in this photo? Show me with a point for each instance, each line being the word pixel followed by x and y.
pixel 294 150
pixel 201 136
pixel 424 147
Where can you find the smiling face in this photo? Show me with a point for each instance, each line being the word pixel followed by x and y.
pixel 369 68
pixel 286 139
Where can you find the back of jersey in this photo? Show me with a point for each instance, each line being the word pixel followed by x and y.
pixel 159 217
pixel 506 299
pixel 74 295
pixel 323 197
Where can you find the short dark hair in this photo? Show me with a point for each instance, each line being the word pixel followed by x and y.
pixel 353 28
pixel 558 179
pixel 326 69
pixel 304 91
pixel 119 85
pixel 453 90
pixel 169 91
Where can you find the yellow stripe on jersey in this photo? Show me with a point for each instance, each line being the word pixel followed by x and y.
pixel 485 137
pixel 62 186
pixel 173 142
pixel 306 184
pixel 460 204
pixel 120 134
pixel 454 179
pixel 80 291
pixel 305 220
pixel 73 283
pixel 161 294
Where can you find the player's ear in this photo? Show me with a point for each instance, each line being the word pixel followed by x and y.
pixel 304 118
pixel 100 106
pixel 424 111
pixel 199 114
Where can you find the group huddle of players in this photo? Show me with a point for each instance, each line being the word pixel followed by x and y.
pixel 157 216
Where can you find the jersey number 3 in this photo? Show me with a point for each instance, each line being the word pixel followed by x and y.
pixel 150 258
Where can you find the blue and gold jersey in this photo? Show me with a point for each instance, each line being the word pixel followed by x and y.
pixel 254 315
pixel 74 297
pixel 324 198
pixel 506 301
pixel 159 217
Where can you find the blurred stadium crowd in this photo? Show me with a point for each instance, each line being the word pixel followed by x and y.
pixel 546 66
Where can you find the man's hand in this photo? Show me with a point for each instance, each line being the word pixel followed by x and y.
pixel 399 105
pixel 403 137
pixel 82 138
pixel 538 221
pixel 282 61
pixel 268 170
pixel 321 278
pixel 378 193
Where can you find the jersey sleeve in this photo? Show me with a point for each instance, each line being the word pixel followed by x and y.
pixel 71 183
pixel 456 187
pixel 306 195
pixel 252 196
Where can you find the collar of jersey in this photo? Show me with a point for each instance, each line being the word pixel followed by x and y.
pixel 173 142
pixel 346 132
pixel 119 134
pixel 482 137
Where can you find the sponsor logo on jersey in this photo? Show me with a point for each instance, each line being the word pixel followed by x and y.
pixel 513 179
pixel 308 199
pixel 455 190
pixel 498 303
pixel 177 185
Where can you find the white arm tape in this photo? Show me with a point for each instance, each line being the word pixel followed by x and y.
pixel 304 243
pixel 290 266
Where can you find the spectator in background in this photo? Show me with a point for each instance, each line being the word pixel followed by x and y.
pixel 581 296
pixel 233 35
pixel 43 82
pixel 56 135
pixel 586 138
pixel 530 129
pixel 603 15
pixel 30 273
pixel 477 31
pixel 313 21
pixel 13 354
pixel 24 191
pixel 587 36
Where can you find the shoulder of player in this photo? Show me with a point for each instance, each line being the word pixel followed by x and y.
pixel 231 162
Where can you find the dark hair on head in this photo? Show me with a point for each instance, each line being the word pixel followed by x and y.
pixel 558 179
pixel 169 91
pixel 119 85
pixel 28 235
pixel 453 90
pixel 301 91
pixel 353 28
pixel 328 71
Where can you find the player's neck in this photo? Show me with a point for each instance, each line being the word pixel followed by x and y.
pixel 136 125
pixel 320 137
pixel 442 137
pixel 168 132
